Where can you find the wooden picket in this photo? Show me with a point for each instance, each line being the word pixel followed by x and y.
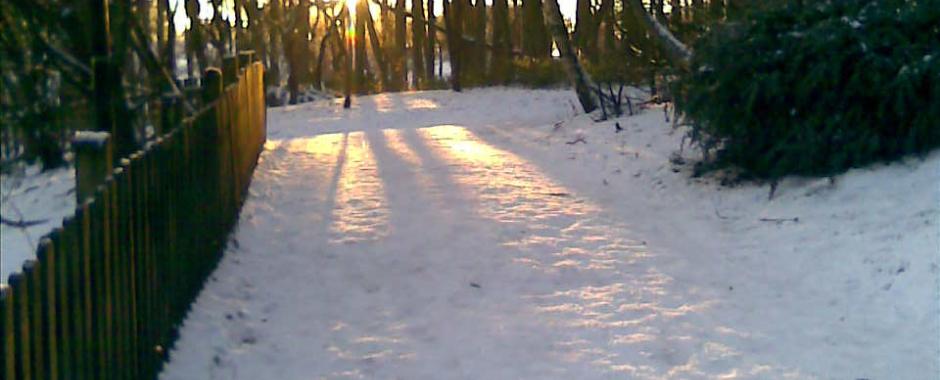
pixel 106 295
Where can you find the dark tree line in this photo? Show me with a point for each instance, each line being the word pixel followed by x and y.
pixel 49 52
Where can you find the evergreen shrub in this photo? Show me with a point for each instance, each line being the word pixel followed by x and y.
pixel 538 73
pixel 816 87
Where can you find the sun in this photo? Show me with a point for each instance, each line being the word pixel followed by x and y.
pixel 350 28
pixel 351 7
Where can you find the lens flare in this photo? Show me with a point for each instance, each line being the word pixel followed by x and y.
pixel 350 26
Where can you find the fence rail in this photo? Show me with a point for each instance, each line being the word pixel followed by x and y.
pixel 107 292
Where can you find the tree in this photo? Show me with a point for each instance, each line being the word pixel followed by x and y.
pixel 475 28
pixel 418 34
pixel 502 41
pixel 273 18
pixel 296 48
pixel 677 52
pixel 453 14
pixel 431 38
pixel 362 76
pixel 535 40
pixel 576 74
pixel 585 30
pixel 195 40
pixel 401 37
pixel 376 48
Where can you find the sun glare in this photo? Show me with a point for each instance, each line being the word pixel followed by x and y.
pixel 351 7
pixel 350 27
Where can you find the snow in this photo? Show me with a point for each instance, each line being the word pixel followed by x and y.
pixel 459 235
pixel 32 196
pixel 91 137
pixel 855 24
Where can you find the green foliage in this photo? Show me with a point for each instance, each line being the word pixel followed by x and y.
pixel 618 67
pixel 817 88
pixel 538 73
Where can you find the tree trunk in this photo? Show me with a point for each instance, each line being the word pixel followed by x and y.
pixel 161 24
pixel 502 40
pixel 237 34
pixel 585 30
pixel 376 49
pixel 605 28
pixel 735 8
pixel 675 50
pixel 418 34
pixel 295 47
pixel 321 52
pixel 347 56
pixel 660 10
pixel 273 75
pixel 675 15
pixel 452 17
pixel 170 39
pixel 401 36
pixel 361 58
pixel 255 28
pixel 516 24
pixel 576 74
pixel 479 34
pixel 535 40
pixel 195 49
pixel 431 38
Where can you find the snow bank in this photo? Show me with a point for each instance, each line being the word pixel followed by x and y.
pixel 32 196
pixel 91 138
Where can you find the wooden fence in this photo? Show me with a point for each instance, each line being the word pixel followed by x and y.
pixel 106 295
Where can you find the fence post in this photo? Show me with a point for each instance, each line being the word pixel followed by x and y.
pixel 212 85
pixel 50 315
pixel 68 296
pixel 230 70
pixel 94 155
pixel 34 314
pixel 172 113
pixel 7 332
pixel 21 327
pixel 245 57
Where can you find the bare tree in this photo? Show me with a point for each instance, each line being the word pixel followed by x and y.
pixel 376 48
pixel 453 14
pixel 677 52
pixel 502 40
pixel 431 39
pixel 418 34
pixel 576 74
pixel 401 37
pixel 535 40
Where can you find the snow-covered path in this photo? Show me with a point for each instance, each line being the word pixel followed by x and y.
pixel 405 240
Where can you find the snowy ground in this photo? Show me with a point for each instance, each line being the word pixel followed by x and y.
pixel 439 235
pixel 36 197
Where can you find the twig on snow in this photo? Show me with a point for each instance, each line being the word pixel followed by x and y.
pixel 780 220
pixel 580 139
pixel 21 223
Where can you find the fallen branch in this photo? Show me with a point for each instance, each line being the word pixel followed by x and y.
pixel 722 217
pixel 21 223
pixel 580 139
pixel 780 220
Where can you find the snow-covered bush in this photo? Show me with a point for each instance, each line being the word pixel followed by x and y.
pixel 817 87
